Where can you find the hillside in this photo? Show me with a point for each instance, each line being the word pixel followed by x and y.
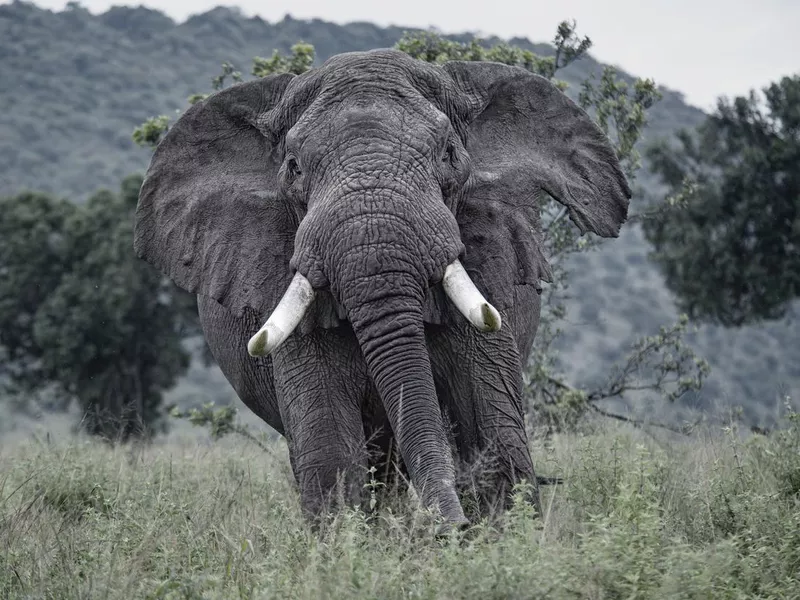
pixel 80 83
pixel 75 85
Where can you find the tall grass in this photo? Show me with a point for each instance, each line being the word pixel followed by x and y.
pixel 714 517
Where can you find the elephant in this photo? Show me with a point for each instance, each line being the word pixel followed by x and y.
pixel 365 244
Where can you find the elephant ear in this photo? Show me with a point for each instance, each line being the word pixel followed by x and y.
pixel 208 214
pixel 523 136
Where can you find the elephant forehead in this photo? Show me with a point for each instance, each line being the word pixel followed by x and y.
pixel 369 64
pixel 370 111
pixel 391 68
pixel 364 115
pixel 387 84
pixel 396 115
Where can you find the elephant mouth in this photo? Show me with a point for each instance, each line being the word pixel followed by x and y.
pixel 300 294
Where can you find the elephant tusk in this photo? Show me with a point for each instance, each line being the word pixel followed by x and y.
pixel 468 300
pixel 286 316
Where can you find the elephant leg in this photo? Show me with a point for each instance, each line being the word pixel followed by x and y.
pixel 479 381
pixel 321 383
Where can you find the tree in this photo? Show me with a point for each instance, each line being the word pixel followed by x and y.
pixel 660 364
pixel 86 316
pixel 728 240
pixel 34 254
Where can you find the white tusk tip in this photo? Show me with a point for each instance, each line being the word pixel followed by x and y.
pixel 486 318
pixel 257 346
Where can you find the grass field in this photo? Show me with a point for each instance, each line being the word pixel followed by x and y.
pixel 712 517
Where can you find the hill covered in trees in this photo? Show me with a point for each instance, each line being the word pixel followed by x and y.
pixel 80 83
pixel 77 85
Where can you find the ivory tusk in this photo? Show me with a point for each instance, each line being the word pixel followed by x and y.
pixel 468 300
pixel 286 316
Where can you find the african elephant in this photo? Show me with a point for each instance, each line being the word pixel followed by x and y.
pixel 383 212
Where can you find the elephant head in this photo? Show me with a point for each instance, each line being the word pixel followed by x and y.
pixel 356 188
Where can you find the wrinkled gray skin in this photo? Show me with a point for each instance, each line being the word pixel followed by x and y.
pixel 369 175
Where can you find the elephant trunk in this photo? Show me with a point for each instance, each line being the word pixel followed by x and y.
pixel 380 259
pixel 390 331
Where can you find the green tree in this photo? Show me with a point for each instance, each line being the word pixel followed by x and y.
pixel 34 254
pixel 728 240
pixel 300 61
pixel 86 316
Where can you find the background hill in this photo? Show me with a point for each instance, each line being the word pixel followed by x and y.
pixel 75 85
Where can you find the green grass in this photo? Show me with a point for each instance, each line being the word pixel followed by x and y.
pixel 714 517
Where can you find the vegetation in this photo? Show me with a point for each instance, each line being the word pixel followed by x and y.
pixel 84 318
pixel 729 243
pixel 711 517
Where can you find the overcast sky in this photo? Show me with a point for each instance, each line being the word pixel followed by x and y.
pixel 703 48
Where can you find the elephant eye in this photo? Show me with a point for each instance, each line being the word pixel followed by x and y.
pixel 449 152
pixel 292 168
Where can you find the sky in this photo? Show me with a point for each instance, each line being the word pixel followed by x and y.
pixel 702 48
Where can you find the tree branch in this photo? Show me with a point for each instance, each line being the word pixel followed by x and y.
pixel 637 422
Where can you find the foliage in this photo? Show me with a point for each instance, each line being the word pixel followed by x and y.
pixel 611 101
pixel 728 239
pixel 218 421
pixel 86 315
pixel 228 70
pixel 300 61
pixel 433 48
pixel 31 267
pixel 709 517
pixel 663 364
pixel 150 132
pixel 666 358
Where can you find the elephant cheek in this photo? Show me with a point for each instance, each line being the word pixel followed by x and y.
pixel 307 259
